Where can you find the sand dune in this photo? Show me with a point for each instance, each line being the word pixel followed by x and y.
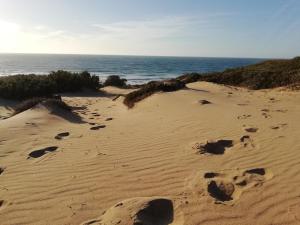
pixel 172 159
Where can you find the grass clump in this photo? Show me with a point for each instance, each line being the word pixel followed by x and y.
pixel 151 88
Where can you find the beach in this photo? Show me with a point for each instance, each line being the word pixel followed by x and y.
pixel 207 154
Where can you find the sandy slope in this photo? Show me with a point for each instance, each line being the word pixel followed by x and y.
pixel 154 150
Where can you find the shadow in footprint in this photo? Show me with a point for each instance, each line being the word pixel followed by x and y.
pixel 210 175
pixel 259 171
pixel 251 129
pixel 1 170
pixel 98 127
pixel 204 102
pixel 2 202
pixel 217 148
pixel 229 187
pixel 220 190
pixel 61 136
pixel 140 211
pixel 41 152
pixel 156 212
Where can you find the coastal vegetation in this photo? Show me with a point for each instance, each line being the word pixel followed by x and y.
pixel 151 88
pixel 115 81
pixel 268 74
pixel 27 86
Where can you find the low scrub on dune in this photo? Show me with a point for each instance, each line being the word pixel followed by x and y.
pixel 115 81
pixel 27 86
pixel 268 74
pixel 151 88
pixel 49 102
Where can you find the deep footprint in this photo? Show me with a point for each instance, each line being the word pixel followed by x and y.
pixel 251 129
pixel 217 148
pixel 220 190
pixel 226 188
pixel 204 102
pixel 1 203
pixel 156 212
pixel 61 136
pixel 97 127
pixel 210 175
pixel 1 170
pixel 39 153
pixel 140 211
pixel 259 171
pixel 246 141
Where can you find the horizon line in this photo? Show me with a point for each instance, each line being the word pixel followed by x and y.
pixel 140 55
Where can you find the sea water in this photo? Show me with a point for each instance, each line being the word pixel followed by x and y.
pixel 136 69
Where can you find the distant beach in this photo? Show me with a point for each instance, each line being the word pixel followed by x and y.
pixel 136 69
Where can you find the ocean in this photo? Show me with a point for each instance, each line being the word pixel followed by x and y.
pixel 136 69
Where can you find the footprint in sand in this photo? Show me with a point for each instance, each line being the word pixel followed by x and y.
pixel 242 104
pixel 228 188
pixel 273 100
pixel 39 153
pixel 281 110
pixel 243 117
pixel 96 114
pixel 109 119
pixel 266 115
pixel 2 204
pixel 215 147
pixel 251 129
pixel 61 136
pixel 98 127
pixel 1 170
pixel 246 140
pixel 279 126
pixel 141 211
pixel 204 102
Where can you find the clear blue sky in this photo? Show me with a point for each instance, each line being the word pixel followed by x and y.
pixel 232 28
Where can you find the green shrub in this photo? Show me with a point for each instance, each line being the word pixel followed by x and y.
pixel 28 86
pixel 115 81
pixel 268 74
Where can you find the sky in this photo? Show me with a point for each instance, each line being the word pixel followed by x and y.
pixel 208 28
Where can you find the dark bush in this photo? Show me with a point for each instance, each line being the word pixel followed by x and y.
pixel 50 102
pixel 25 86
pixel 28 86
pixel 69 82
pixel 268 74
pixel 151 88
pixel 115 81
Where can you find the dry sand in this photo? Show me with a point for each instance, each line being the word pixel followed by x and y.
pixel 172 159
